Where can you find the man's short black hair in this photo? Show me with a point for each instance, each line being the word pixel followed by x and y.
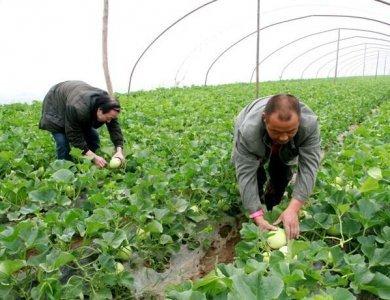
pixel 105 103
pixel 284 105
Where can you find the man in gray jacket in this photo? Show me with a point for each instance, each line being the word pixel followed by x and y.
pixel 282 131
pixel 72 110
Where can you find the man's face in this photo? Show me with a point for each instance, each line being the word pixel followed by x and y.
pixel 107 117
pixel 281 131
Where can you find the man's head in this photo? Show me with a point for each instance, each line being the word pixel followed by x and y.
pixel 107 109
pixel 281 116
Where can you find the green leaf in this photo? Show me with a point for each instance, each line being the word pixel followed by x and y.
pixel 56 259
pixel 36 260
pixel 14 216
pixel 375 173
pixel 64 176
pixel 362 274
pixel 186 295
pixel 28 232
pixel 368 245
pixel 355 259
pixel 126 280
pixel 381 256
pixel 253 265
pixel 154 227
pixel 7 267
pixel 270 287
pixel 180 205
pixel 62 259
pixel 323 219
pixel 165 239
pixel 74 288
pixel 114 239
pixel 102 294
pixel 297 247
pixel 380 286
pixel 242 289
pixel 81 229
pixel 296 275
pixel 99 220
pixel 369 184
pixel 351 227
pixel 212 284
pixel 7 291
pixel 61 164
pixel 385 236
pixel 197 216
pixel 249 231
pixel 31 208
pixel 343 208
pixel 160 213
pixel 77 153
pixel 67 234
pixel 368 207
pixel 93 226
pixel 4 207
pixel 45 196
pixel 340 294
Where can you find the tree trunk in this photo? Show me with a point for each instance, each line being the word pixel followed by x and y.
pixel 105 55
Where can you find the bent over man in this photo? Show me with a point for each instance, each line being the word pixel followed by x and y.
pixel 72 110
pixel 280 131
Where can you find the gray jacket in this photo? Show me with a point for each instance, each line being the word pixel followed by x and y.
pixel 69 107
pixel 252 148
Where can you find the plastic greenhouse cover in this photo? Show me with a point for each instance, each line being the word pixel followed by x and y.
pixel 44 42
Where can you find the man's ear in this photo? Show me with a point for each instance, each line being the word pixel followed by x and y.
pixel 263 117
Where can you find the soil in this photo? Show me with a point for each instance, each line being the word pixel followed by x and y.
pixel 221 250
pixel 191 264
pixel 76 242
pixel 343 135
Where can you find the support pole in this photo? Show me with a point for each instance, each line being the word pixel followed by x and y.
pixel 377 62
pixel 258 49
pixel 364 59
pixel 337 55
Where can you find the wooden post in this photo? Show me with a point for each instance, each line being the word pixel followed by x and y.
pixel 104 44
pixel 258 49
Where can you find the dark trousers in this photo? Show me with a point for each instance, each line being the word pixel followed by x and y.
pixel 91 136
pixel 279 176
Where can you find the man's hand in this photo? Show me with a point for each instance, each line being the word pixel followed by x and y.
pixel 290 220
pixel 119 154
pixel 99 161
pixel 263 224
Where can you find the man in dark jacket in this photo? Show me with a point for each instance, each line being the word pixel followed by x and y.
pixel 72 110
pixel 282 131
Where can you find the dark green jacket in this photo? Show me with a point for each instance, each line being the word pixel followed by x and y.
pixel 69 107
pixel 252 148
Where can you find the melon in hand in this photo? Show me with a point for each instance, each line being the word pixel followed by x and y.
pixel 115 163
pixel 277 238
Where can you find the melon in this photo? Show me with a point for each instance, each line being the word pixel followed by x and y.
pixel 277 238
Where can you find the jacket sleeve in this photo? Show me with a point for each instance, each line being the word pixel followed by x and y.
pixel 73 129
pixel 308 162
pixel 246 165
pixel 115 132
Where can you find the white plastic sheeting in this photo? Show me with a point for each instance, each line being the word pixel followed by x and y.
pixel 44 42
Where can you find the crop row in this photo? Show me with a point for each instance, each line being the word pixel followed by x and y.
pixel 64 225
pixel 344 249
